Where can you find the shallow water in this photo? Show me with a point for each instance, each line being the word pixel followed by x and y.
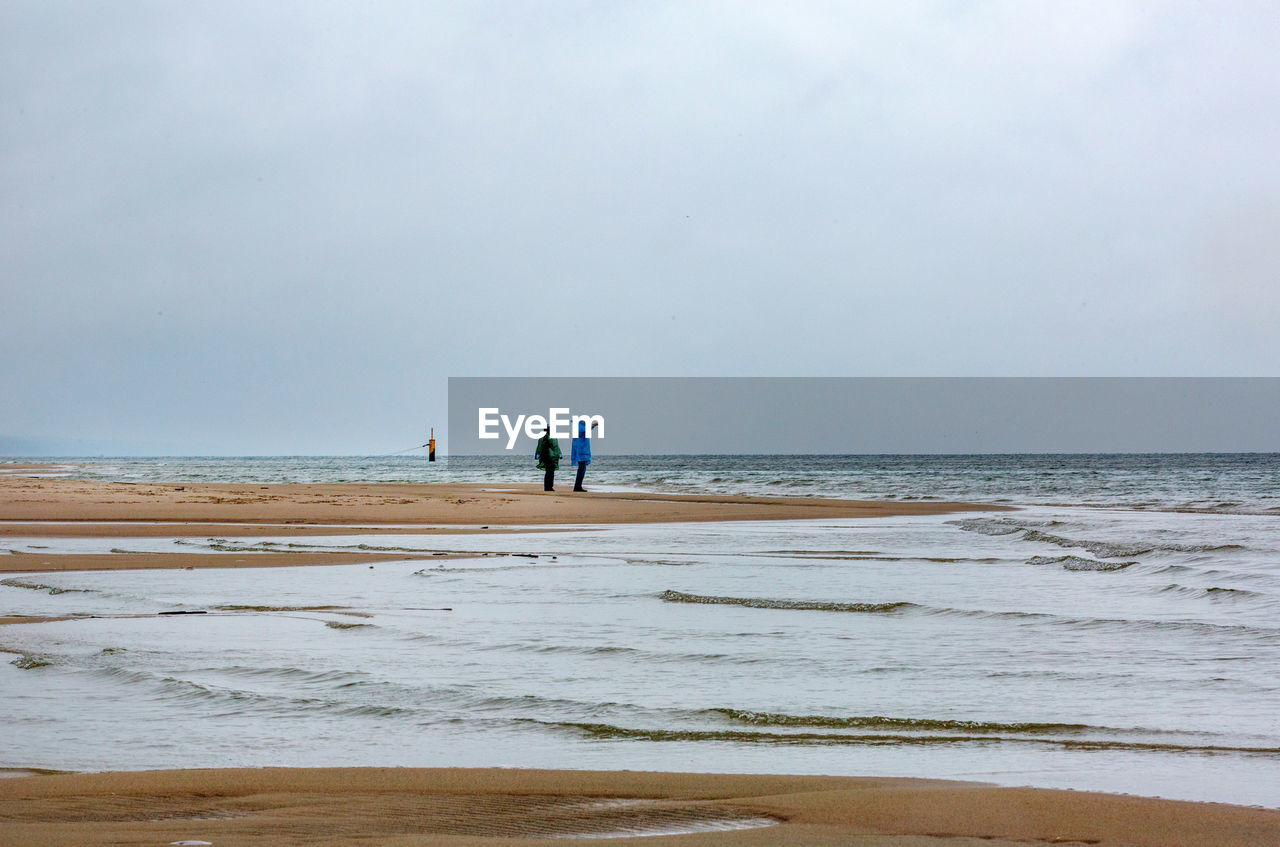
pixel 1106 649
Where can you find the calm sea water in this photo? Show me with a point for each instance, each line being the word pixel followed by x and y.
pixel 1129 644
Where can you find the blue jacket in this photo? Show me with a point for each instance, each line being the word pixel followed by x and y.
pixel 581 450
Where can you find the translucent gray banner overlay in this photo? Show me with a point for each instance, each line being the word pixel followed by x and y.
pixel 733 415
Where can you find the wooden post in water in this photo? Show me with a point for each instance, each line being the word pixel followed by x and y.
pixel 431 446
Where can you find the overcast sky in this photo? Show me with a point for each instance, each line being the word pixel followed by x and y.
pixel 278 227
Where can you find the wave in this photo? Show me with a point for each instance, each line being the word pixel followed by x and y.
pixel 614 650
pixel 31 661
pixel 854 556
pixel 40 586
pixel 223 545
pixel 670 596
pixel 1142 624
pixel 837 553
pixel 446 570
pixel 988 526
pixel 1077 563
pixel 1049 618
pixel 356 694
pixel 881 722
pixel 295 676
pixel 1105 549
pixel 1212 593
pixel 343 693
pixel 240 701
pixel 1215 573
pixel 611 732
pixel 1216 591
pixel 657 562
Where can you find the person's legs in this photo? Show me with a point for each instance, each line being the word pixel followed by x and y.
pixel 549 479
pixel 582 471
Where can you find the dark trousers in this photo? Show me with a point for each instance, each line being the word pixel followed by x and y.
pixel 582 471
pixel 548 479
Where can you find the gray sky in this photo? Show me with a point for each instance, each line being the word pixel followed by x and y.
pixel 278 227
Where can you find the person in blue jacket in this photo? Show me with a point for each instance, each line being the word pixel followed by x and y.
pixel 580 454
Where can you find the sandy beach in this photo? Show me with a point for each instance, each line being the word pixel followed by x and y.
pixel 425 806
pixel 404 806
pixel 25 498
pixel 43 507
pixel 59 507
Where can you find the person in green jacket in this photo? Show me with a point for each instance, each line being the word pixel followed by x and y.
pixel 548 455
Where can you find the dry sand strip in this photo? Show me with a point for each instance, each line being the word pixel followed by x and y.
pixel 404 806
pixel 127 529
pixel 8 620
pixel 69 500
pixel 43 563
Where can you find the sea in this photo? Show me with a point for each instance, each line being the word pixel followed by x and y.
pixel 1118 631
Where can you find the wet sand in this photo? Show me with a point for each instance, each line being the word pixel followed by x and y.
pixel 42 507
pixel 6 620
pixel 29 468
pixel 427 506
pixel 404 806
pixel 134 529
pixel 45 507
pixel 41 562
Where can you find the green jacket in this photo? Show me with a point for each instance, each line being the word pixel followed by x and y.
pixel 547 453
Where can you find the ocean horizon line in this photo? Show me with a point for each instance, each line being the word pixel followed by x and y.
pixel 34 457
